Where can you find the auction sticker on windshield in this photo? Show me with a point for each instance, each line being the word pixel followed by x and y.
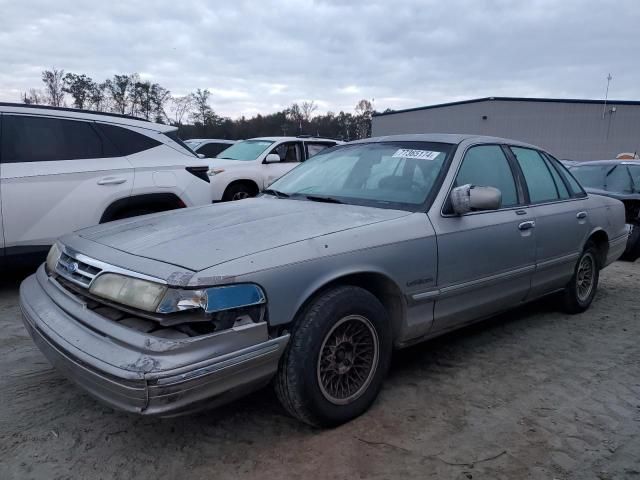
pixel 421 154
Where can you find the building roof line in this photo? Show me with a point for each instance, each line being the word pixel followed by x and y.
pixel 512 99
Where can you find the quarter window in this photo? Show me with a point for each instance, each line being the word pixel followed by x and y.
pixel 487 166
pixel 126 141
pixel 576 189
pixel 542 187
pixel 42 139
pixel 562 188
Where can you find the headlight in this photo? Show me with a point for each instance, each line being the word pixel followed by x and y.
pixel 213 299
pixel 52 258
pixel 133 292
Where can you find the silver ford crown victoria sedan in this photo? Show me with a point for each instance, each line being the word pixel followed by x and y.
pixel 364 248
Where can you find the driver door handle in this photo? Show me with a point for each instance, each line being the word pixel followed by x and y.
pixel 111 181
pixel 527 225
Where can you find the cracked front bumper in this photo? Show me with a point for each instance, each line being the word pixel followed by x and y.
pixel 138 372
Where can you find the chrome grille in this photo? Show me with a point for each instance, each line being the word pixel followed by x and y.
pixel 75 270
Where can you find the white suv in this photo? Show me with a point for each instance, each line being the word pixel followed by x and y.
pixel 64 169
pixel 249 166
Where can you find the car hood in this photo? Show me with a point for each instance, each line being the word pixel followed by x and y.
pixel 224 163
pixel 202 237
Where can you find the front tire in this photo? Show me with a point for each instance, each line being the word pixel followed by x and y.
pixel 238 191
pixel 337 358
pixel 582 287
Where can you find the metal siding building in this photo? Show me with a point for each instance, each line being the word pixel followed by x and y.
pixel 569 129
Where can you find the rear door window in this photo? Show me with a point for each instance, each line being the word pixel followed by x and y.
pixel 42 139
pixel 315 148
pixel 540 182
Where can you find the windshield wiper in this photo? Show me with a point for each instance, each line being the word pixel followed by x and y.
pixel 276 193
pixel 319 198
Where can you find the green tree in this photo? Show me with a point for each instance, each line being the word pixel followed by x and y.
pixel 80 88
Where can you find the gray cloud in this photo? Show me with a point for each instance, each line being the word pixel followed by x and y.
pixel 262 56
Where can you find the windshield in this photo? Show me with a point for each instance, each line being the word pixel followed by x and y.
pixel 391 174
pixel 245 150
pixel 611 178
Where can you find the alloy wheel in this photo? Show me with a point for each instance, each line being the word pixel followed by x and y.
pixel 348 359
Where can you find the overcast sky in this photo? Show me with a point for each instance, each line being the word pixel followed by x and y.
pixel 260 56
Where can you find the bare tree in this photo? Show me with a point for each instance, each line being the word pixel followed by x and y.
pixel 307 109
pixel 53 86
pixel 118 88
pixel 203 114
pixel 364 112
pixel 98 97
pixel 34 97
pixel 181 107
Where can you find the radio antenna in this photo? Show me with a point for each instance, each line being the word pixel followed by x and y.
pixel 606 96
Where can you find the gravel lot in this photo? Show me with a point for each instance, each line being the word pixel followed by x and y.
pixel 530 394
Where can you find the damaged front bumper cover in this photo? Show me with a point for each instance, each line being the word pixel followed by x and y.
pixel 140 373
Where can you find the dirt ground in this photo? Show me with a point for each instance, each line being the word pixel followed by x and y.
pixel 531 394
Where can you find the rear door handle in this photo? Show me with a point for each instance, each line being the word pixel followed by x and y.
pixel 527 225
pixel 581 215
pixel 111 181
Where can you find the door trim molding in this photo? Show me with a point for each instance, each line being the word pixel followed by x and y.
pixel 472 284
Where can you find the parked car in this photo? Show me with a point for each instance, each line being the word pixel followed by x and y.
pixel 65 169
pixel 619 179
pixel 247 167
pixel 208 147
pixel 366 247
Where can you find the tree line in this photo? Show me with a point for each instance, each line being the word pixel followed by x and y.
pixel 193 114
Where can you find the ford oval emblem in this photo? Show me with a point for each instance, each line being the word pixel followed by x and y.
pixel 71 267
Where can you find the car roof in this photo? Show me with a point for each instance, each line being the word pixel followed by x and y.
pixel 608 162
pixel 291 139
pixel 77 114
pixel 219 140
pixel 454 138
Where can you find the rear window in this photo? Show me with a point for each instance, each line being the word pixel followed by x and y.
pixel 42 139
pixel 610 177
pixel 210 150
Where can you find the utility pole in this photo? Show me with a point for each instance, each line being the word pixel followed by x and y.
pixel 606 96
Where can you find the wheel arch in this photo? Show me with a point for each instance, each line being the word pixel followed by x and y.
pixel 601 240
pixel 155 201
pixel 243 181
pixel 378 284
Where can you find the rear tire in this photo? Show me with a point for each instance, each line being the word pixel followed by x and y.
pixel 337 358
pixel 632 252
pixel 582 287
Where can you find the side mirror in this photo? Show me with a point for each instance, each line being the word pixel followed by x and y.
pixel 468 198
pixel 272 158
pixel 201 155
